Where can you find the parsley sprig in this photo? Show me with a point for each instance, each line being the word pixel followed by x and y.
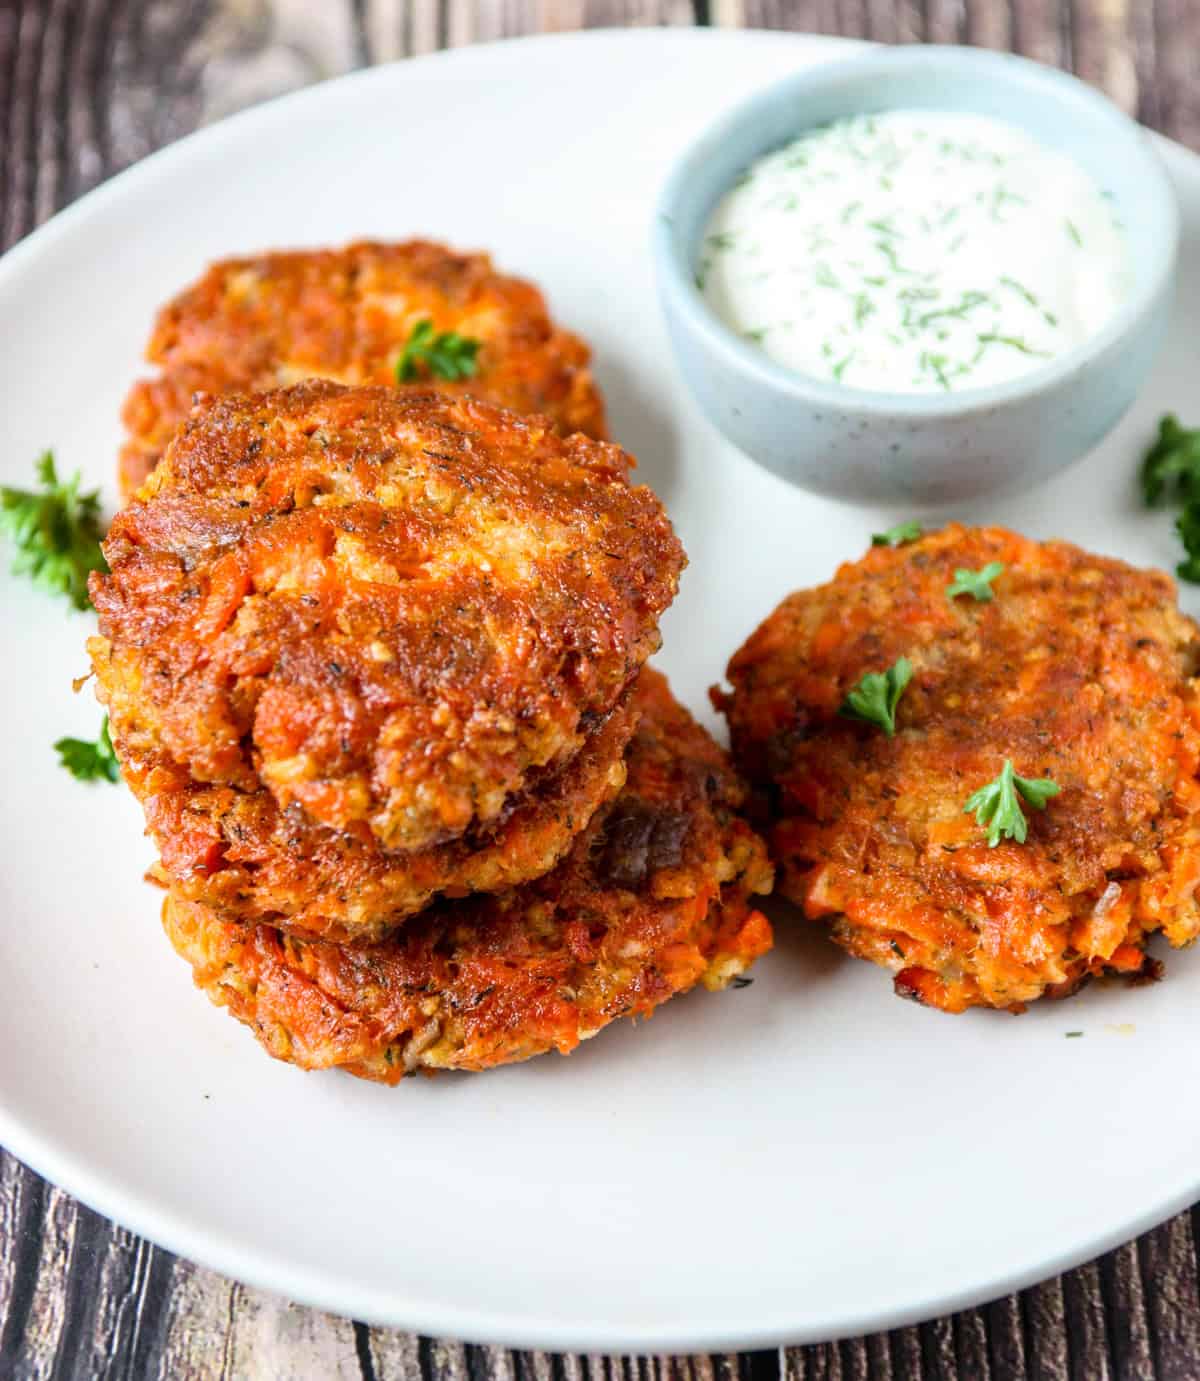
pixel 897 536
pixel 876 696
pixel 1188 527
pixel 1171 474
pixel 998 804
pixel 56 532
pixel 445 354
pixel 975 583
pixel 1171 467
pixel 89 761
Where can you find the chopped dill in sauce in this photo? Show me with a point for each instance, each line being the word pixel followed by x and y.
pixel 915 251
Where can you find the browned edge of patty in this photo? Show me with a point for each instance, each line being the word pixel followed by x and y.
pixel 270 319
pixel 386 607
pixel 655 896
pixel 248 861
pixel 1080 669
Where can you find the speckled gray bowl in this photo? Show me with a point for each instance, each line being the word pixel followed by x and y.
pixel 881 447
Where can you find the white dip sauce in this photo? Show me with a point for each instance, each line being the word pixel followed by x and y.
pixel 915 251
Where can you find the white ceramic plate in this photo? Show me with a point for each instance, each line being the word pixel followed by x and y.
pixel 804 1158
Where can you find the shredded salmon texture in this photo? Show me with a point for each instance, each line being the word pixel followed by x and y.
pixel 655 896
pixel 268 320
pixel 1080 669
pixel 400 614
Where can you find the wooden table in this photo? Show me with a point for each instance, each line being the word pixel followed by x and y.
pixel 89 86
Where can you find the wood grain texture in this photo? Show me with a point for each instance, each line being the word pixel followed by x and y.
pixel 90 86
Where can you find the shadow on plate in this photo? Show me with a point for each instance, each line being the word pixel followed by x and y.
pixel 802 945
pixel 639 422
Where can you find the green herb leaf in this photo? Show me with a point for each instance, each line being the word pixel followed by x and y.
pixel 1013 342
pixel 445 356
pixel 1020 289
pixel 968 303
pixel 56 532
pixel 897 536
pixel 1171 474
pixel 937 365
pixel 998 804
pixel 87 761
pixel 1171 467
pixel 876 696
pixel 1188 527
pixel 976 583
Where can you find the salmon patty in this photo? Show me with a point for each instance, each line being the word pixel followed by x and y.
pixel 393 610
pixel 249 861
pixel 654 897
pixel 1077 671
pixel 270 320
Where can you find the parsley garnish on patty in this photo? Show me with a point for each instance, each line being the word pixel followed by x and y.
pixel 998 804
pixel 876 696
pixel 976 583
pixel 445 355
pixel 897 536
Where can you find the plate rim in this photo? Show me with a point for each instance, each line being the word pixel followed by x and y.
pixel 190 1239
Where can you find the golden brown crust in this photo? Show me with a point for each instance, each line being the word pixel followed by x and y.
pixel 248 861
pixel 1080 669
pixel 390 608
pixel 273 319
pixel 654 897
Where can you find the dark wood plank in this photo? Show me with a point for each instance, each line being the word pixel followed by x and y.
pixel 1168 1261
pixel 1087 1334
pixel 1004 1322
pixel 1177 42
pixel 1143 39
pixel 971 1345
pixel 989 26
pixel 1124 1296
pixel 24 33
pixel 1102 50
pixel 1043 1314
pixel 22 1214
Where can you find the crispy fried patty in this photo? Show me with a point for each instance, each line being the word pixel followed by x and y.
pixel 1080 670
pixel 391 609
pixel 248 861
pixel 345 314
pixel 654 897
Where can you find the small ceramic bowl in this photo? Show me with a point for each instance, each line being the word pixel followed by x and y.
pixel 931 448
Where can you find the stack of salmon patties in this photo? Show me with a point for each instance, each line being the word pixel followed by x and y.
pixel 374 662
